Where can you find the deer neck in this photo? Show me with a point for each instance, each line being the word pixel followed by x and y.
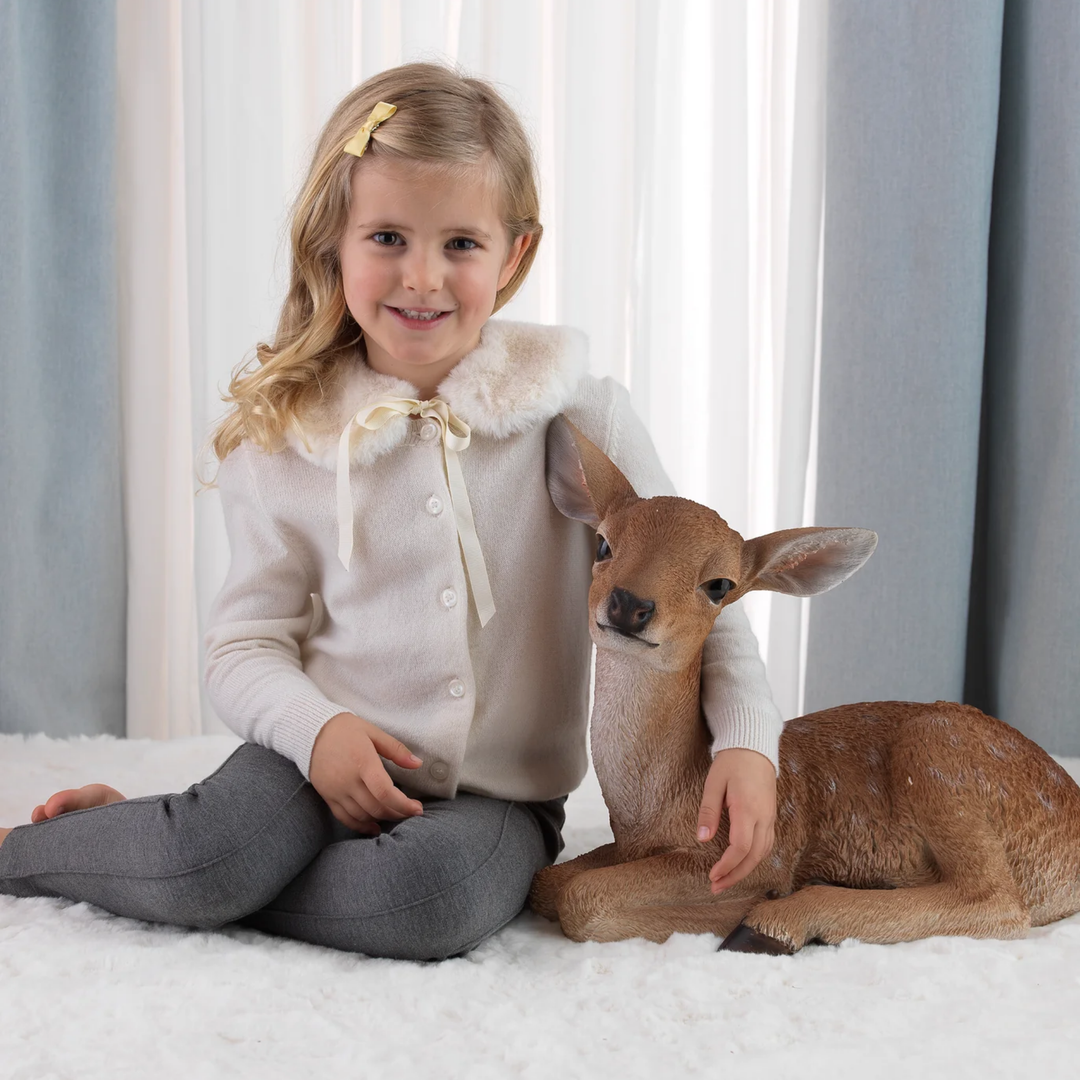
pixel 649 743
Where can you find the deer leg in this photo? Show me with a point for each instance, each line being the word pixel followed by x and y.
pixel 652 898
pixel 550 881
pixel 829 914
pixel 977 896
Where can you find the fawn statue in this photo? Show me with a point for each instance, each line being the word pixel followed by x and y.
pixel 895 820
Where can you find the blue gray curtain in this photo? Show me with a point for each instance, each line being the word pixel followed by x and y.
pixel 62 577
pixel 950 381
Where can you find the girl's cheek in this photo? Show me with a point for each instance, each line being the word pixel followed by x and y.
pixel 484 280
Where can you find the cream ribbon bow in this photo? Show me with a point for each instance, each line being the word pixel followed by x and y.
pixel 455 437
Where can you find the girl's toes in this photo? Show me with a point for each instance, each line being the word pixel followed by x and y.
pixel 75 799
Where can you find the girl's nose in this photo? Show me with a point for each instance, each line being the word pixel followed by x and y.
pixel 422 271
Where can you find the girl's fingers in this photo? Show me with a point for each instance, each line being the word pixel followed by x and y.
pixel 740 841
pixel 392 804
pixel 365 803
pixel 745 865
pixel 712 799
pixel 354 818
pixel 392 749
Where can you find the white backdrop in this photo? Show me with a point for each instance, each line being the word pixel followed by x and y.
pixel 681 154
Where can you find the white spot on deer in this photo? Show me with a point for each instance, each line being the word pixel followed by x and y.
pixel 871 787
pixel 776 861
pixel 936 774
pixel 1055 775
pixel 939 721
pixel 1046 802
pixel 793 765
pixel 995 751
pixel 1003 791
pixel 910 781
pixel 832 785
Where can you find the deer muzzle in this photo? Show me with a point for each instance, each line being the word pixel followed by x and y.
pixel 628 613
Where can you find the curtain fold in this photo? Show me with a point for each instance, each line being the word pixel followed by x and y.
pixel 1025 633
pixel 62 549
pixel 155 350
pixel 911 120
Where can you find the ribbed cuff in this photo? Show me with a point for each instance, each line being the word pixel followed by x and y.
pixel 297 726
pixel 749 729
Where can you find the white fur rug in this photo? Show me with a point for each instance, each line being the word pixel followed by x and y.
pixel 85 994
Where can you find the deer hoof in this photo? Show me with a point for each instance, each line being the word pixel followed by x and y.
pixel 746 939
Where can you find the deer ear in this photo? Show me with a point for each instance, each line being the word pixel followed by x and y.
pixel 805 562
pixel 583 482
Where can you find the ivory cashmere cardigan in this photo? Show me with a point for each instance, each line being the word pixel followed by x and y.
pixel 295 639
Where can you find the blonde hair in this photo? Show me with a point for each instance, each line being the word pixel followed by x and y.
pixel 443 118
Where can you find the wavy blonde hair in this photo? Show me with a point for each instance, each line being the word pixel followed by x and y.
pixel 443 118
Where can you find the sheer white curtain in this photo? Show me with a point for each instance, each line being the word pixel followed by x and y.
pixel 681 154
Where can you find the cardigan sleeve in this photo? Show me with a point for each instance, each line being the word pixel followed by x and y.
pixel 257 623
pixel 735 695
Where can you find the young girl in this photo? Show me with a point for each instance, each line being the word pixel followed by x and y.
pixel 401 586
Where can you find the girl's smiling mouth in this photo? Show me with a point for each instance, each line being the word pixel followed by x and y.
pixel 418 318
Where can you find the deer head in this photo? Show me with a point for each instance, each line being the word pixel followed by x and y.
pixel 666 566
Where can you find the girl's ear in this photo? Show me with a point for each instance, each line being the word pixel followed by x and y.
pixel 583 482
pixel 805 562
pixel 513 257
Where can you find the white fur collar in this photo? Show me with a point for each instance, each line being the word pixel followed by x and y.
pixel 520 375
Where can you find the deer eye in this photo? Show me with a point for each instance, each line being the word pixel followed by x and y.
pixel 718 588
pixel 603 549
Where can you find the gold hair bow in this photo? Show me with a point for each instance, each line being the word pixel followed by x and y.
pixel 359 142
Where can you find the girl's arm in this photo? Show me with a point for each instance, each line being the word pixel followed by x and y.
pixel 257 622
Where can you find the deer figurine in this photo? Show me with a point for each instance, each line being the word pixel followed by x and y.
pixel 895 820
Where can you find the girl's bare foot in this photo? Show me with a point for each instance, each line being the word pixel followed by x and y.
pixel 75 799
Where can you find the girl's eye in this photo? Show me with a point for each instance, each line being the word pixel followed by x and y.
pixel 603 549
pixel 385 239
pixel 462 243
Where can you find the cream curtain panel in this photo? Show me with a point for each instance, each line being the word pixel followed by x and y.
pixel 681 152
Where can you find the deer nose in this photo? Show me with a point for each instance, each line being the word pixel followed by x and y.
pixel 627 612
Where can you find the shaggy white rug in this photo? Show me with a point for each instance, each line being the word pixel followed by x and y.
pixel 85 994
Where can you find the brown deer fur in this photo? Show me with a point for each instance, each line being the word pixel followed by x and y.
pixel 895 821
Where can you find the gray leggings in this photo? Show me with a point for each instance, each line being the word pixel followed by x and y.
pixel 255 843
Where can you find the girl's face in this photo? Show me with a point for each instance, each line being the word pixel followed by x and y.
pixel 421 261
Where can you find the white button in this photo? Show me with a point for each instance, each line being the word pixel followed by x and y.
pixel 457 687
pixel 439 770
pixel 449 598
pixel 434 506
pixel 429 431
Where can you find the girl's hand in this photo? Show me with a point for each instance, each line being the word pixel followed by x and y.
pixel 347 772
pixel 745 782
